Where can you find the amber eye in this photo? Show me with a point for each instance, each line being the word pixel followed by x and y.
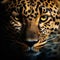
pixel 43 18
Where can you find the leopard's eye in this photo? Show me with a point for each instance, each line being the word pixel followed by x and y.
pixel 16 18
pixel 43 18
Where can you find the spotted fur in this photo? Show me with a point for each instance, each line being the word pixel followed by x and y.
pixel 35 20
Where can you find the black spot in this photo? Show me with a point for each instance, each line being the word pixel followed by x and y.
pixel 50 9
pixel 55 7
pixel 36 9
pixel 48 1
pixel 38 3
pixel 31 1
pixel 58 12
pixel 52 33
pixel 31 15
pixel 56 23
pixel 24 5
pixel 57 17
pixel 32 11
pixel 30 18
pixel 34 0
pixel 47 28
pixel 42 0
pixel 55 29
pixel 52 28
pixel 46 4
pixel 28 4
pixel 50 19
pixel 51 5
pixel 53 18
pixel 54 11
pixel 35 15
pixel 48 25
pixel 29 11
pixel 25 12
pixel 40 10
pixel 22 2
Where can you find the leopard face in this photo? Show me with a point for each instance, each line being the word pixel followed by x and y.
pixel 33 24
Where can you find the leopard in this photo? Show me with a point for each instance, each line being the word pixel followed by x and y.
pixel 34 26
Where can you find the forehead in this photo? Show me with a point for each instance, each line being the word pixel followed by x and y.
pixel 27 4
pixel 33 7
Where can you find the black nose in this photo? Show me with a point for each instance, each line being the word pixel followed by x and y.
pixel 31 42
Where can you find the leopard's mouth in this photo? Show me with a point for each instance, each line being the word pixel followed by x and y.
pixel 31 52
pixel 34 50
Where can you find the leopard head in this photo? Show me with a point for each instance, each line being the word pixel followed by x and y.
pixel 32 23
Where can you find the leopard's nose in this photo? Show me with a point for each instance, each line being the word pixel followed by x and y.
pixel 31 42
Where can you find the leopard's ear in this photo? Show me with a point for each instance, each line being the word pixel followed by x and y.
pixel 4 1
